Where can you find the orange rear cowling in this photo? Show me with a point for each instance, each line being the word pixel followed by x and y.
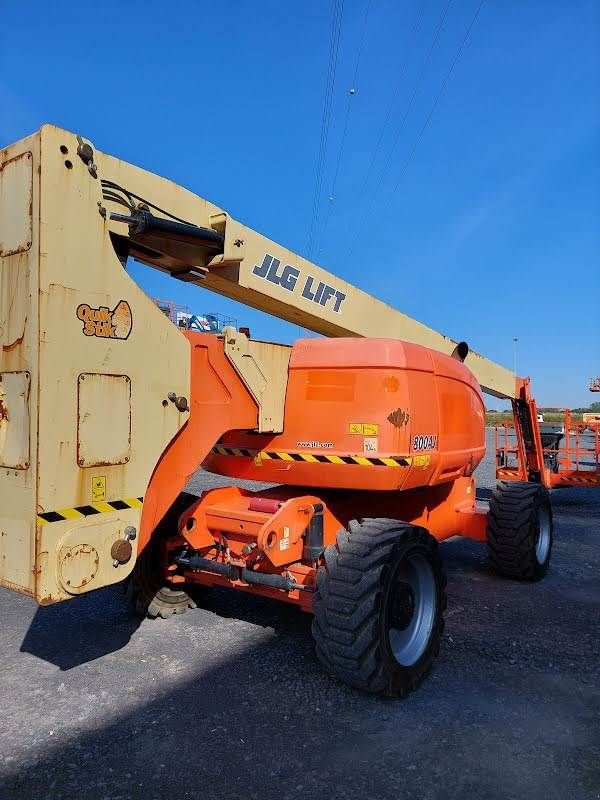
pixel 375 414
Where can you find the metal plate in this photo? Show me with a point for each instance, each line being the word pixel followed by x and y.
pixel 16 193
pixel 14 419
pixel 104 419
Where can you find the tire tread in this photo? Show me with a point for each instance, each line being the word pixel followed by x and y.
pixel 511 532
pixel 346 606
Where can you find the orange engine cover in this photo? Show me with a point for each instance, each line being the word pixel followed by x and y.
pixel 365 414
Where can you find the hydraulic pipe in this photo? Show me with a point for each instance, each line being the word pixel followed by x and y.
pixel 233 572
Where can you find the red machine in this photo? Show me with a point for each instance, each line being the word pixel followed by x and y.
pixel 379 414
pixel 376 431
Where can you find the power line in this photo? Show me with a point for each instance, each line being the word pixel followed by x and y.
pixel 351 95
pixel 388 117
pixel 416 88
pixel 334 44
pixel 437 98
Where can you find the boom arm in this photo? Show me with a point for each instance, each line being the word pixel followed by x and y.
pixel 202 244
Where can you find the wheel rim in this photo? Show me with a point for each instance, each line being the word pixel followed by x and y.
pixel 412 608
pixel 542 545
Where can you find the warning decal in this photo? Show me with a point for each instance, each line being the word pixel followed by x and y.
pixel 363 428
pixel 98 488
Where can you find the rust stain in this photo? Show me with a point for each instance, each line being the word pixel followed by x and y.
pixel 100 463
pixel 399 418
pixel 48 601
pixel 15 587
pixel 8 347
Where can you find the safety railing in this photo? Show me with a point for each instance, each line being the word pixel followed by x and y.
pixel 570 449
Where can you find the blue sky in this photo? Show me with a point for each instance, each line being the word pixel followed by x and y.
pixel 486 226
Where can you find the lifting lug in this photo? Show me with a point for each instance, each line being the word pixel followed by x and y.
pixel 180 403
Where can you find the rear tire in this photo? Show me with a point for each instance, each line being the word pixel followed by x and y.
pixel 150 595
pixel 520 530
pixel 378 608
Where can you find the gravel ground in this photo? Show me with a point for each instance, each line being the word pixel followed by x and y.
pixel 228 701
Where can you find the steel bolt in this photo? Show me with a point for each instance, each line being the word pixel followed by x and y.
pixel 130 533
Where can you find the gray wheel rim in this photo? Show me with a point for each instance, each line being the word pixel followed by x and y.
pixel 412 614
pixel 542 545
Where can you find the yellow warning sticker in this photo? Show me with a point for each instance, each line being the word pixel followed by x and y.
pixel 364 428
pixel 421 461
pixel 98 488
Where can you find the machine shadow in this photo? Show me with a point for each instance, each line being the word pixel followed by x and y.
pixel 70 634
pixel 81 630
pixel 260 611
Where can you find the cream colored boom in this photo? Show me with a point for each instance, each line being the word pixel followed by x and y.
pixel 261 273
pixel 265 275
pixel 358 313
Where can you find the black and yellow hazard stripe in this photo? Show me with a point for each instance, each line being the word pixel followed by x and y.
pixel 313 458
pixel 576 479
pixel 77 512
pixel 568 479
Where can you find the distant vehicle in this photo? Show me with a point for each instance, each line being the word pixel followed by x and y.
pixel 540 417
pixel 204 323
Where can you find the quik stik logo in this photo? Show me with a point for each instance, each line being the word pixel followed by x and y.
pixel 290 278
pixel 104 323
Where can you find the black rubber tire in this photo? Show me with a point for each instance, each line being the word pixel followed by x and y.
pixel 149 594
pixel 516 511
pixel 353 600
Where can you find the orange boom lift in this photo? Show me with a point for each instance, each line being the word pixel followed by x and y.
pixel 369 437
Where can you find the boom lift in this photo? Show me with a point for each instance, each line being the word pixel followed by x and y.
pixel 371 435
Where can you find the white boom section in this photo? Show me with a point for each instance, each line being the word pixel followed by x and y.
pixel 260 273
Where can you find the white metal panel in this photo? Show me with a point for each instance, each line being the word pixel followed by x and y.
pixel 16 192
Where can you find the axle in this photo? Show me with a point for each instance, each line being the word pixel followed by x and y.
pixel 272 542
pixel 235 573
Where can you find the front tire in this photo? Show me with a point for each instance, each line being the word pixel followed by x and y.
pixel 520 530
pixel 378 608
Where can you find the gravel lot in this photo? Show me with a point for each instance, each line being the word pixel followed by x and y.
pixel 228 701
